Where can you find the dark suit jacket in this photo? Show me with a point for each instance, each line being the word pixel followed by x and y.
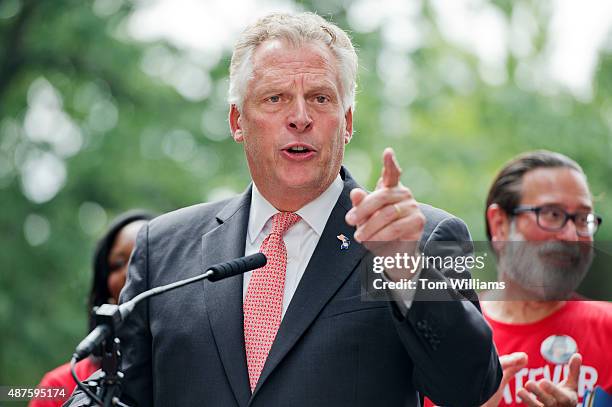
pixel 186 347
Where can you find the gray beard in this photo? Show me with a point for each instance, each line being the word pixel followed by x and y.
pixel 531 265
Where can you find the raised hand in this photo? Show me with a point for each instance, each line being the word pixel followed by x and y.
pixel 510 364
pixel 390 213
pixel 544 393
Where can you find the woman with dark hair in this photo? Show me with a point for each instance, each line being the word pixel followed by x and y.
pixel 111 258
pixel 110 263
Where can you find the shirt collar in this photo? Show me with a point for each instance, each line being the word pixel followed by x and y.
pixel 315 213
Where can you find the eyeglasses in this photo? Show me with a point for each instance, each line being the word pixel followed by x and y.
pixel 554 218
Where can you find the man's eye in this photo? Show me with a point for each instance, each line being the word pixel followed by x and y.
pixel 557 213
pixel 585 218
pixel 274 99
pixel 321 99
pixel 552 213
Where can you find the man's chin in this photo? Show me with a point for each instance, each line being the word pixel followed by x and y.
pixel 301 179
pixel 301 186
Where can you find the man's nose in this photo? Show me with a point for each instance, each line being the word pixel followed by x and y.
pixel 299 119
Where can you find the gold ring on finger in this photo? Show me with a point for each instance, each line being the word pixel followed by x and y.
pixel 398 210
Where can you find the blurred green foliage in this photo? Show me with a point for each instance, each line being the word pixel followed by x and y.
pixel 134 141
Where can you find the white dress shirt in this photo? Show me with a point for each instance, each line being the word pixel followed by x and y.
pixel 301 239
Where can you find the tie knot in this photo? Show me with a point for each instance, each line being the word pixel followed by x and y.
pixel 282 221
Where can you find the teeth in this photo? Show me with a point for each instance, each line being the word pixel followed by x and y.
pixel 298 148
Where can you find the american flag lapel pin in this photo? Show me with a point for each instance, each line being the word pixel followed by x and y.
pixel 345 242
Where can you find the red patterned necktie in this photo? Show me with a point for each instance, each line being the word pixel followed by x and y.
pixel 263 304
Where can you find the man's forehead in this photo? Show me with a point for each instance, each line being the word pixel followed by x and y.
pixel 562 186
pixel 276 54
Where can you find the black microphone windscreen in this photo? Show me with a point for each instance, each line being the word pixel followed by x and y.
pixel 237 266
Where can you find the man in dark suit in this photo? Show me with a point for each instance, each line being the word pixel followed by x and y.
pixel 297 332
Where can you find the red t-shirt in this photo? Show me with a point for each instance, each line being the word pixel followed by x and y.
pixel 61 377
pixel 578 326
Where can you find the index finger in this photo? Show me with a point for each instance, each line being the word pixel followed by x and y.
pixel 574 371
pixel 374 202
pixel 391 171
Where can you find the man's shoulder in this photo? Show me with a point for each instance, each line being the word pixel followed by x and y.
pixel 433 214
pixel 436 217
pixel 200 216
pixel 595 312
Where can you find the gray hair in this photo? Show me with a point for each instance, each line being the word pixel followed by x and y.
pixel 297 29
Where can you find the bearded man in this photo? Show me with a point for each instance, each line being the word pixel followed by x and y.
pixel 541 222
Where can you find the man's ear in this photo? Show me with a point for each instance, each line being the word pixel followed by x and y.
pixel 499 224
pixel 235 125
pixel 348 131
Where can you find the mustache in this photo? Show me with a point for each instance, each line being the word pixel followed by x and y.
pixel 571 251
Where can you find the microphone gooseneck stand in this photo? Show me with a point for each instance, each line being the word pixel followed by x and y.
pixel 106 390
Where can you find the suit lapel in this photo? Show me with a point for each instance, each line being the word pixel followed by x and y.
pixel 319 282
pixel 224 298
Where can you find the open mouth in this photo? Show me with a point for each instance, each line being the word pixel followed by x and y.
pixel 298 150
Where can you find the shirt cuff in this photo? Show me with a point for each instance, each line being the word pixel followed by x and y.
pixel 403 298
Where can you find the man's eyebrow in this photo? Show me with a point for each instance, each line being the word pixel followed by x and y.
pixel 275 86
pixel 282 84
pixel 323 86
pixel 561 205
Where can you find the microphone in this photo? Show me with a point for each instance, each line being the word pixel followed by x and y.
pixel 237 266
pixel 92 340
pixel 110 317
